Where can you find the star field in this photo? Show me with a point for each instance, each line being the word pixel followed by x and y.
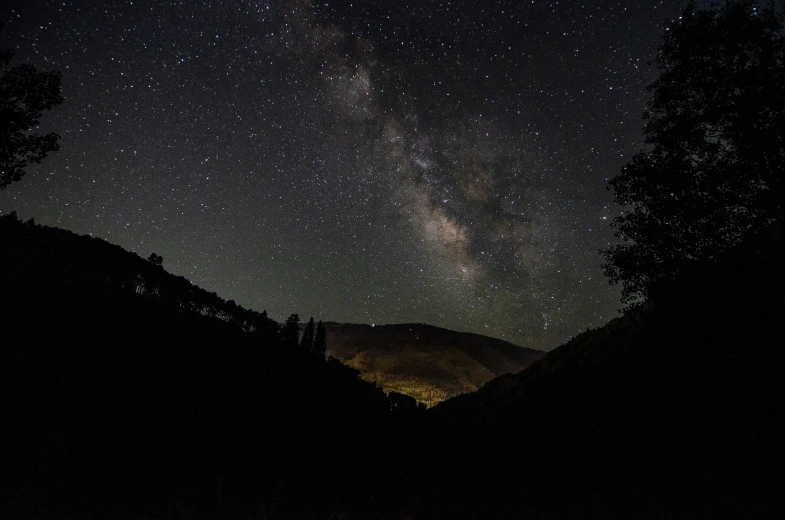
pixel 373 162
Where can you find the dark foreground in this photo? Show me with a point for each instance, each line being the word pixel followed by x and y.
pixel 130 393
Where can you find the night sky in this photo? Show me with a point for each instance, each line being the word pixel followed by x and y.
pixel 356 161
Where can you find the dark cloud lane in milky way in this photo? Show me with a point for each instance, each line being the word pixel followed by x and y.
pixel 439 162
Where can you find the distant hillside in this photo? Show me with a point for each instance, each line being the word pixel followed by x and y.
pixel 428 363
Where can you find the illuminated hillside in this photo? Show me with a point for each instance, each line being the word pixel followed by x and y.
pixel 428 363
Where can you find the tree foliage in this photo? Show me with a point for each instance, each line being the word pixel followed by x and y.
pixel 715 127
pixel 320 341
pixel 306 342
pixel 155 259
pixel 24 94
pixel 290 331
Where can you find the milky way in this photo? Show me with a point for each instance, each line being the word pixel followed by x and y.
pixel 373 162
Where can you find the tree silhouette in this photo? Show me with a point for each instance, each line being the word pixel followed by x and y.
pixel 290 332
pixel 401 402
pixel 155 259
pixel 24 94
pixel 320 341
pixel 716 130
pixel 306 342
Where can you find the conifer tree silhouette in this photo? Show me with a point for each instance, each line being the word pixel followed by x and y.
pixel 306 342
pixel 290 332
pixel 320 340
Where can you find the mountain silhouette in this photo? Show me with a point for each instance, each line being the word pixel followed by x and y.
pixel 676 404
pixel 126 387
pixel 128 390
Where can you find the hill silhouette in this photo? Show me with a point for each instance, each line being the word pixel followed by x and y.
pixel 669 411
pixel 128 390
pixel 428 363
